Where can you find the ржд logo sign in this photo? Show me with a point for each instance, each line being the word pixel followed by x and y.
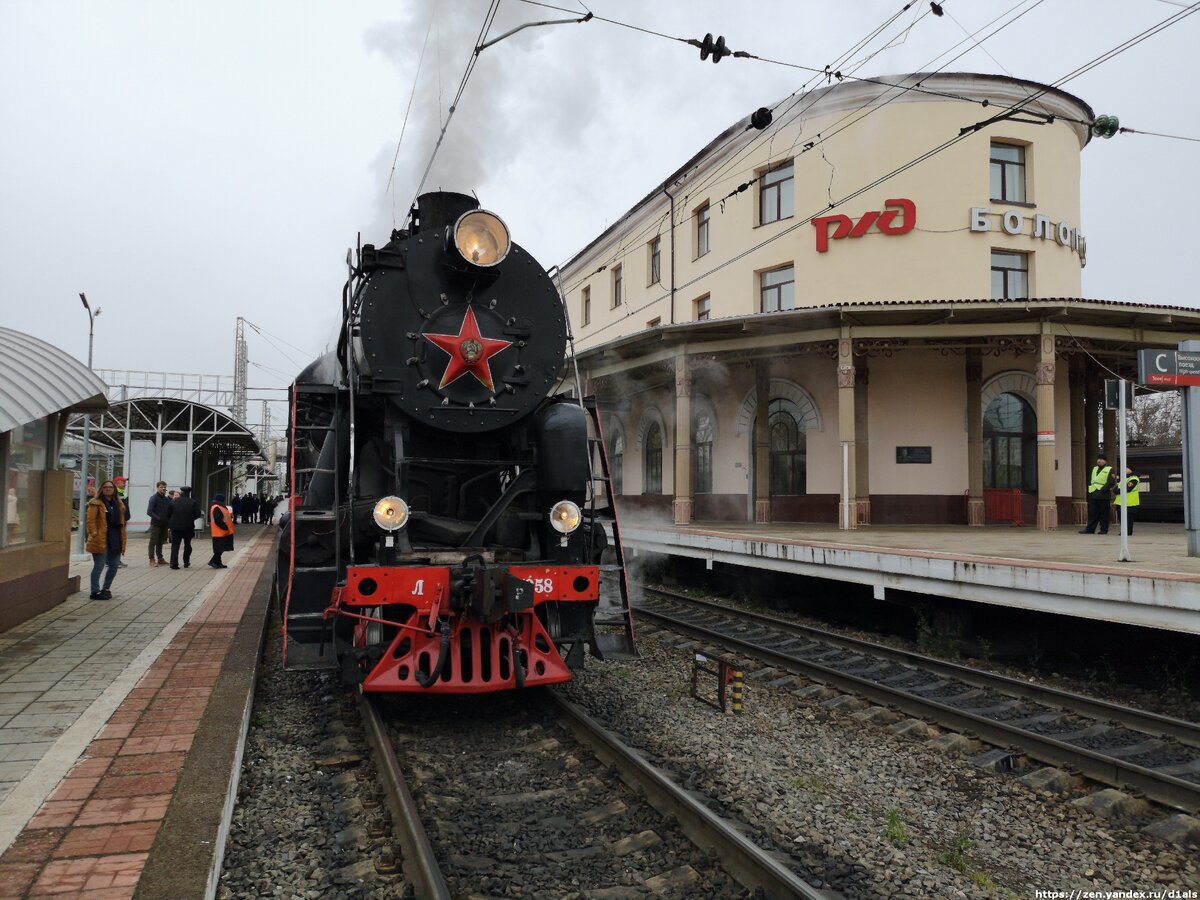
pixel 846 227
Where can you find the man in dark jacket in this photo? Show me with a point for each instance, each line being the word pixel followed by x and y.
pixel 184 512
pixel 159 511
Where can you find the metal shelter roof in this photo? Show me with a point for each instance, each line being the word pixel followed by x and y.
pixel 173 419
pixel 38 380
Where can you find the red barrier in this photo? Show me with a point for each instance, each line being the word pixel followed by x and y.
pixel 1003 504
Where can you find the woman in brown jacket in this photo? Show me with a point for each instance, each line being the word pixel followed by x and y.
pixel 105 537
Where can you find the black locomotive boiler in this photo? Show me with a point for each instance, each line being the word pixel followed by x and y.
pixel 451 525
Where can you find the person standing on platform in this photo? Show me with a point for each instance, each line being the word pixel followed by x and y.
pixel 105 538
pixel 1099 496
pixel 123 495
pixel 220 521
pixel 1132 497
pixel 236 505
pixel 184 512
pixel 159 511
pixel 249 508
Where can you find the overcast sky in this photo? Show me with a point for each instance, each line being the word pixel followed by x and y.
pixel 189 163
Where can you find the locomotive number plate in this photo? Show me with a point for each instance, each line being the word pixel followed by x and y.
pixel 561 582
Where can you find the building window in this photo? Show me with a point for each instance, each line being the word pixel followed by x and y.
pixel 616 462
pixel 702 455
pixel 704 308
pixel 777 290
pixel 1008 172
pixel 587 306
pixel 788 457
pixel 1010 275
pixel 1010 444
pixel 776 194
pixel 702 232
pixel 652 480
pixel 656 260
pixel 25 478
pixel 618 287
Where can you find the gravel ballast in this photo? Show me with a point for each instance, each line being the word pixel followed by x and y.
pixel 877 814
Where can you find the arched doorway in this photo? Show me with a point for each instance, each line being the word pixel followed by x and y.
pixel 1010 444
pixel 652 461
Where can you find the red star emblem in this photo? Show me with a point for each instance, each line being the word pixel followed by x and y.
pixel 469 352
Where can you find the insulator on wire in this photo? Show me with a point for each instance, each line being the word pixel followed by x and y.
pixel 716 49
pixel 761 118
pixel 1106 126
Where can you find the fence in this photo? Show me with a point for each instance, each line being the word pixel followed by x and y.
pixel 1003 505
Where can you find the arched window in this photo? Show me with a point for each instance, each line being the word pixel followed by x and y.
pixel 702 454
pixel 652 471
pixel 616 462
pixel 788 456
pixel 1010 444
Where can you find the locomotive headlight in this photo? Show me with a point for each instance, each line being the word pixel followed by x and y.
pixel 565 517
pixel 481 238
pixel 391 513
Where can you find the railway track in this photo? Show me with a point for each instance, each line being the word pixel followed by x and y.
pixel 1155 756
pixel 552 817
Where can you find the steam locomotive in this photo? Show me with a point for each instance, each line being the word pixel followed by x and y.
pixel 451 526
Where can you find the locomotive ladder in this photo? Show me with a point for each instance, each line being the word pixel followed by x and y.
pixel 307 635
pixel 614 615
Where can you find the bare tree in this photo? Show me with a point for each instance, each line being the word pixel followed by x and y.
pixel 1156 420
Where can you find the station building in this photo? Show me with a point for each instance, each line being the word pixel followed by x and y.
pixel 892 271
pixel 40 386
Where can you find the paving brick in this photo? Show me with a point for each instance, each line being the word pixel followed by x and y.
pixel 92 873
pixel 113 786
pixel 75 787
pixel 148 764
pixel 106 840
pixel 156 745
pixel 123 809
pixel 56 814
pixel 32 846
pixel 16 878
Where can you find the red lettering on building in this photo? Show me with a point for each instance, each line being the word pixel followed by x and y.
pixel 844 226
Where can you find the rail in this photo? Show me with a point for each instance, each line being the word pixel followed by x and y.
pixel 1155 785
pixel 752 866
pixel 420 864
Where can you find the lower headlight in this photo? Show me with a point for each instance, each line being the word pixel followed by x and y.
pixel 391 513
pixel 565 517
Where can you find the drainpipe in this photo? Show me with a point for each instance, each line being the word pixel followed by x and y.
pixel 672 199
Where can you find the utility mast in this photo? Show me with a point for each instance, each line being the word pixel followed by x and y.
pixel 239 372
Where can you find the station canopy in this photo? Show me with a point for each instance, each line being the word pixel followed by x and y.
pixel 38 380
pixel 167 418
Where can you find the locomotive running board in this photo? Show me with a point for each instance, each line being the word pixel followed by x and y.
pixel 614 613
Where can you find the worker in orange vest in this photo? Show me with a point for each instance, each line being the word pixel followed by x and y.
pixel 220 520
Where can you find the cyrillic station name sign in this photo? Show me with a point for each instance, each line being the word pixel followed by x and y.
pixel 1014 222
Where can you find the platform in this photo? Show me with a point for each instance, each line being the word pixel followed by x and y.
pixel 121 726
pixel 1061 571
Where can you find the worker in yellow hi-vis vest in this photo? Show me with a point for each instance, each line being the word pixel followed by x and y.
pixel 1132 500
pixel 1099 496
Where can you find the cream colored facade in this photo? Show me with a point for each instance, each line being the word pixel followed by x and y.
pixel 895 347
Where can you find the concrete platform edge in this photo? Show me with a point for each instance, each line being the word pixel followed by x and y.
pixel 189 849
pixel 27 797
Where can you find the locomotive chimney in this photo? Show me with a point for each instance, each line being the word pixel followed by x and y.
pixel 439 210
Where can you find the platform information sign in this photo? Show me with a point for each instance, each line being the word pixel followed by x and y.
pixel 1169 368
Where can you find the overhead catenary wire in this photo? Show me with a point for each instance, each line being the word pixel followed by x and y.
pixel 962 135
pixel 488 18
pixel 794 111
pixel 1174 137
pixel 391 182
